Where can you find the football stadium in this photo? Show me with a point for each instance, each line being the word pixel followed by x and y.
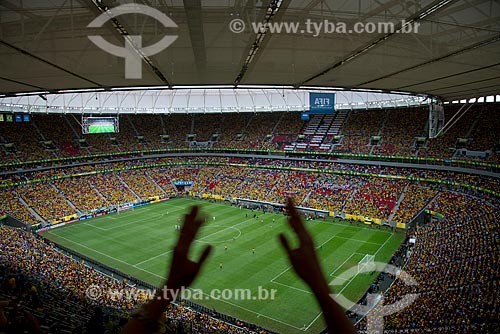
pixel 249 166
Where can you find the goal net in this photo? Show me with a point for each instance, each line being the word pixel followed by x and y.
pixel 366 264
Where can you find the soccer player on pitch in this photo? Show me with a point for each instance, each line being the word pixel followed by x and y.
pixel 183 271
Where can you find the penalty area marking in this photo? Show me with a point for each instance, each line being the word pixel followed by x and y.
pixel 338 267
pixel 289 267
pixel 353 277
pixel 350 281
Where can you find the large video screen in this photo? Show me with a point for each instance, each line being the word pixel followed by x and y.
pixel 99 125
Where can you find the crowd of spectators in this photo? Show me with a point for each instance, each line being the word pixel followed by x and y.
pixel 46 200
pixel 32 256
pixel 375 198
pixel 12 205
pixel 53 136
pixel 162 177
pixel 22 142
pixel 141 183
pixel 49 288
pixel 66 191
pixel 291 184
pixel 358 129
pixel 207 125
pixel 111 187
pixel 234 182
pixel 454 261
pixel 399 131
pixel 331 192
pixel 232 130
pixel 415 199
pixel 205 179
pixel 83 196
pixel 150 127
pixel 289 126
pixel 484 134
pixel 177 127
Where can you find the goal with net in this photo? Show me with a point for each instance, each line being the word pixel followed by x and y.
pixel 366 264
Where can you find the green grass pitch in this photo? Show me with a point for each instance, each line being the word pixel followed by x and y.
pixel 139 242
pixel 101 129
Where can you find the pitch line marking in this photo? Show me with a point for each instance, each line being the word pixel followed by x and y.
pixel 288 268
pixel 350 281
pixel 149 272
pixel 208 235
pixel 219 242
pixel 338 267
pixel 358 240
pixel 133 222
pixel 106 255
pixel 292 287
pixel 97 227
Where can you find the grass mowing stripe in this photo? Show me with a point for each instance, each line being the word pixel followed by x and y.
pixel 106 255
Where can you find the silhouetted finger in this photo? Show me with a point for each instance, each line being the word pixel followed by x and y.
pixel 191 224
pixel 295 221
pixel 204 255
pixel 188 230
pixel 285 243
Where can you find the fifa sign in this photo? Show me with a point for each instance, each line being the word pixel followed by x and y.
pixel 321 103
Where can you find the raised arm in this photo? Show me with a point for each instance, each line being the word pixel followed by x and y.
pixel 305 263
pixel 182 273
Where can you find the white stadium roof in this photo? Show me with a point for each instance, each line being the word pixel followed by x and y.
pixel 200 100
pixel 45 48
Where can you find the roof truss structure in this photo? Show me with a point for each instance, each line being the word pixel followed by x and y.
pixel 454 55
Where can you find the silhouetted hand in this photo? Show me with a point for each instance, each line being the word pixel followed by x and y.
pixel 305 263
pixel 183 271
pixel 303 259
